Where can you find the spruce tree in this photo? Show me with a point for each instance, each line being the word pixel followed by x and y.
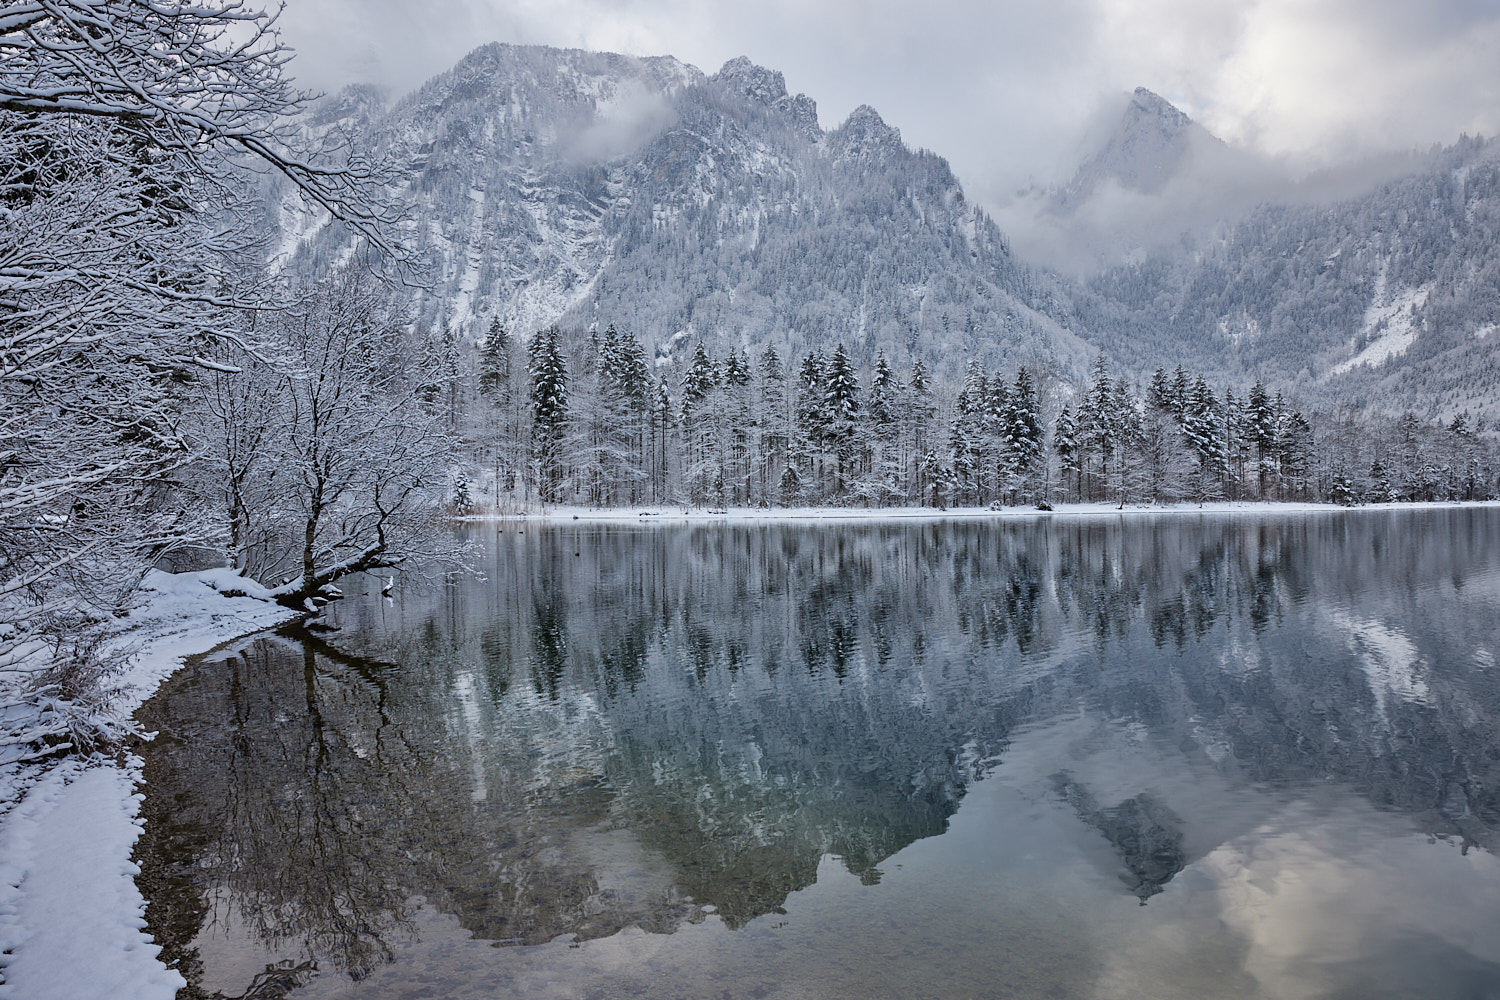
pixel 1065 443
pixel 775 427
pixel 1023 439
pixel 548 370
pixel 841 409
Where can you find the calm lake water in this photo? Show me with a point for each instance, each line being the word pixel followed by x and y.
pixel 1175 756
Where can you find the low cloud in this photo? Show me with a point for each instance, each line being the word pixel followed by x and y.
pixel 620 126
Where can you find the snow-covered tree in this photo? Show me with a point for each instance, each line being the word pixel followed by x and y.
pixel 125 128
pixel 548 370
pixel 354 442
pixel 1024 456
pixel 842 414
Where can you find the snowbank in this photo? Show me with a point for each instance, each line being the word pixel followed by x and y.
pixel 71 917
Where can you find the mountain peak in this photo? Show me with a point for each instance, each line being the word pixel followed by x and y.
pixel 767 86
pixel 1151 111
pixel 1153 104
pixel 865 132
pixel 1148 147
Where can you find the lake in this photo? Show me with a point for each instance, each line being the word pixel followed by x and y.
pixel 1217 755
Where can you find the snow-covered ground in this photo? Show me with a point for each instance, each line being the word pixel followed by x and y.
pixel 71 917
pixel 656 513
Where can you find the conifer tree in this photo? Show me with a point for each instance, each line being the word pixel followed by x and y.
pixel 775 425
pixel 1065 443
pixel 883 484
pixel 841 408
pixel 1023 439
pixel 700 423
pixel 1261 430
pixel 1201 429
pixel 494 365
pixel 811 423
pixel 549 413
pixel 920 411
pixel 1161 442
pixel 1096 427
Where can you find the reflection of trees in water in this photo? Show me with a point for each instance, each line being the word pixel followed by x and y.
pixel 746 700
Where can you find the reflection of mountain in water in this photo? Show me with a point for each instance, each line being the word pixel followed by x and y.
pixel 621 726
pixel 1146 834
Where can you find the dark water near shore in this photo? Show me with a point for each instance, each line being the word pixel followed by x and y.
pixel 1175 756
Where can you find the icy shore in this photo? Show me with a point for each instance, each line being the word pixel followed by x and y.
pixel 667 512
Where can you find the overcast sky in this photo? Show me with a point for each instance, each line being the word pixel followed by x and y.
pixel 1007 90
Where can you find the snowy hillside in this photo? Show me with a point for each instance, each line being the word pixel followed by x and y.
pixel 1387 299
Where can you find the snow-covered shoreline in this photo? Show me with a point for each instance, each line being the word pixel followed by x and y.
pixel 666 513
pixel 71 916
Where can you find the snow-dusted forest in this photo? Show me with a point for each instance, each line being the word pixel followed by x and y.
pixel 582 419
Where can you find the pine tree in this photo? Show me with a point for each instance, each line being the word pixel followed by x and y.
pixel 775 425
pixel 700 425
pixel 1130 472
pixel 811 423
pixel 883 485
pixel 738 423
pixel 1096 427
pixel 494 364
pixel 1294 455
pixel 1065 443
pixel 1261 431
pixel 1161 442
pixel 916 432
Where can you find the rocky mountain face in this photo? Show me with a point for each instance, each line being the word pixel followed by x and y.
pixel 1154 177
pixel 549 186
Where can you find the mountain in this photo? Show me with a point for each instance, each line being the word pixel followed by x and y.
pixel 589 189
pixel 1388 299
pixel 1151 145
pixel 1156 176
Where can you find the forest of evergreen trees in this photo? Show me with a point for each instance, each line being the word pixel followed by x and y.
pixel 587 419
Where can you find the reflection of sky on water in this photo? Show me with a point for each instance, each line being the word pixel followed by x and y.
pixel 1165 758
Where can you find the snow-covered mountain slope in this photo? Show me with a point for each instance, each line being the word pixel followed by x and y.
pixel 550 185
pixel 1387 299
pixel 1152 143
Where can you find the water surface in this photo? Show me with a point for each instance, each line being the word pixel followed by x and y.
pixel 1177 756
